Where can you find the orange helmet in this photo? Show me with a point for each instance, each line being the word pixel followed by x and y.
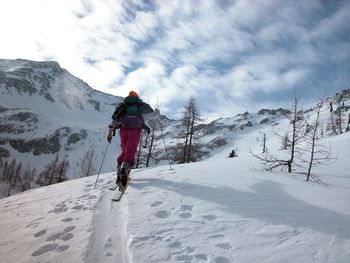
pixel 133 94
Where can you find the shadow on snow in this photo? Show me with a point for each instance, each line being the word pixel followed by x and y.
pixel 269 203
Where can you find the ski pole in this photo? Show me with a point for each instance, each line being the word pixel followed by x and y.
pixel 101 165
pixel 145 145
pixel 166 150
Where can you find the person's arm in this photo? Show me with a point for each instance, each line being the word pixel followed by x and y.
pixel 148 113
pixel 111 131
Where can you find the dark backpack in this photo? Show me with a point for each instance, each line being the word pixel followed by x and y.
pixel 129 113
pixel 123 109
pixel 119 112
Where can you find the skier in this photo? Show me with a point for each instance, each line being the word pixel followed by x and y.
pixel 128 117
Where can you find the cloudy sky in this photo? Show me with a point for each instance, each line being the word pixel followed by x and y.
pixel 232 56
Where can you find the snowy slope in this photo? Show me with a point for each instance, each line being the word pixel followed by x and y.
pixel 219 210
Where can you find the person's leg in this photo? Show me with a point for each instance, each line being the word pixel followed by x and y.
pixel 131 145
pixel 123 144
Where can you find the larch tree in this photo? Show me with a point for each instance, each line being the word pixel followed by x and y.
pixel 188 133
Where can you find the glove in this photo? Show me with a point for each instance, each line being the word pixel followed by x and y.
pixel 110 135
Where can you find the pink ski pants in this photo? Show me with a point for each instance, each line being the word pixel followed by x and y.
pixel 129 140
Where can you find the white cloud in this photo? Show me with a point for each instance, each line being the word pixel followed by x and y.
pixel 171 51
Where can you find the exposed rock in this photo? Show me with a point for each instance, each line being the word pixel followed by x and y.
pixel 4 153
pixel 217 142
pixel 24 116
pixel 265 120
pixel 248 124
pixel 75 137
pixel 95 103
pixel 49 144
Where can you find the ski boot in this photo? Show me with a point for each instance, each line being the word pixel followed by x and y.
pixel 124 176
pixel 119 170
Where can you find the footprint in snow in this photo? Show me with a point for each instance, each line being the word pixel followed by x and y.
pixel 54 237
pixel 187 207
pixel 162 214
pixel 44 249
pixel 68 229
pixel 176 244
pixel 62 248
pixel 209 217
pixel 225 246
pixel 60 208
pixel 68 219
pixel 64 235
pixel 185 215
pixel 184 258
pixel 222 260
pixel 216 236
pixel 40 233
pixel 201 257
pixel 157 203
pixel 78 207
pixel 67 237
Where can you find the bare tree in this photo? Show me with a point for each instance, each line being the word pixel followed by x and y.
pixel 53 172
pixel 298 123
pixel 318 154
pixel 264 143
pixel 10 171
pixel 184 134
pixel 193 149
pixel 87 164
pixel 16 179
pixel 336 115
pixel 150 149
pixel 290 140
pixel 62 170
pixel 28 176
pixel 5 171
pixel 48 174
pixel 188 132
pixel 270 161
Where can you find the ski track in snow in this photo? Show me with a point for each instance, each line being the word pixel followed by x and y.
pixel 109 239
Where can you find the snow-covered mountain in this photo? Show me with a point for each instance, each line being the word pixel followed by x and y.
pixel 46 112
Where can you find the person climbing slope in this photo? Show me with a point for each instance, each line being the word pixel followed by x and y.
pixel 128 117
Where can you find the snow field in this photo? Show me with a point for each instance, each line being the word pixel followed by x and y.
pixel 50 224
pixel 220 210
pixel 232 216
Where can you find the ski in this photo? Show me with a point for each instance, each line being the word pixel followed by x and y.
pixel 118 198
pixel 113 187
pixel 121 191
